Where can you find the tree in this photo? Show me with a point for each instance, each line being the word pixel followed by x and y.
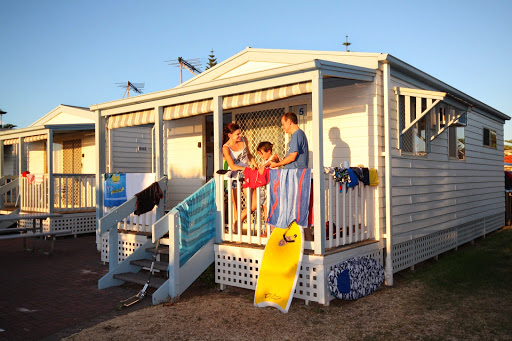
pixel 212 61
pixel 508 147
pixel 9 126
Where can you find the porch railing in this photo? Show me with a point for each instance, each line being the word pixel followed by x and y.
pixel 74 192
pixel 9 194
pixel 349 214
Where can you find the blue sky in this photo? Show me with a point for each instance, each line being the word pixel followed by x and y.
pixel 73 52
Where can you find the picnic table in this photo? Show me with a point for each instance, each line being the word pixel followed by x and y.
pixel 35 232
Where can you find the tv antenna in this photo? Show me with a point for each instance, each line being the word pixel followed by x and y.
pixel 347 44
pixel 190 64
pixel 136 87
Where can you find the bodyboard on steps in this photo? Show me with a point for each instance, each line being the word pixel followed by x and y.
pixel 355 278
pixel 279 268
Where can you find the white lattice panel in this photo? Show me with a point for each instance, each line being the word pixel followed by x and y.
pixel 239 266
pixel 414 251
pixel 127 244
pixel 78 223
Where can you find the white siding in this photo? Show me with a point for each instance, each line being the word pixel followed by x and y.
pixel 184 158
pixel 36 157
pixel 128 154
pixel 433 192
pixel 10 166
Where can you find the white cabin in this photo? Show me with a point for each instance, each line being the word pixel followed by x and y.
pixel 428 141
pixel 59 151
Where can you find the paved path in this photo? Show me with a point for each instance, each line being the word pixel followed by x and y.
pixel 54 296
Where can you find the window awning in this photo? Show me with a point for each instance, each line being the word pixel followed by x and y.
pixel 26 139
pixel 206 106
pixel 131 119
pixel 237 101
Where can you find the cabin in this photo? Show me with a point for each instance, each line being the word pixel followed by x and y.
pixel 49 167
pixel 427 140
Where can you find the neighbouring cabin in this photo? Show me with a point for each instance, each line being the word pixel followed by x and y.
pixel 427 140
pixel 58 151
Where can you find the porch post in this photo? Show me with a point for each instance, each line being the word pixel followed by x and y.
pixel 99 143
pixel 318 164
pixel 49 169
pixel 2 170
pixel 159 154
pixel 388 270
pixel 217 163
pixel 21 168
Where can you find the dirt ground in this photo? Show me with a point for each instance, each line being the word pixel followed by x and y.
pixel 402 312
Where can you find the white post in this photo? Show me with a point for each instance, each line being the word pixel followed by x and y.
pixel 21 169
pixel 99 143
pixel 389 209
pixel 159 156
pixel 49 169
pixel 318 164
pixel 217 165
pixel 174 256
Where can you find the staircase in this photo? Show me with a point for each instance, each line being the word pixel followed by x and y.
pixel 182 269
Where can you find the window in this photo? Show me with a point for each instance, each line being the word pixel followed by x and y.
pixel 456 143
pixel 414 140
pixel 489 138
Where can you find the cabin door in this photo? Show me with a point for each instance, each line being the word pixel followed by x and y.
pixel 71 164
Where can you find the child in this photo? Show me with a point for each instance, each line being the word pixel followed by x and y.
pixel 264 150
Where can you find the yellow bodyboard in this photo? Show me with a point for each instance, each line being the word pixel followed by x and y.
pixel 279 268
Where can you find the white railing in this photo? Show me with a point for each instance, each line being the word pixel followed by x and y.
pixel 74 192
pixel 349 214
pixel 34 196
pixel 9 196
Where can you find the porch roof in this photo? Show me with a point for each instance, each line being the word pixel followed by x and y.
pixel 238 84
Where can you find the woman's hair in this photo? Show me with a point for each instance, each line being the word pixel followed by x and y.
pixel 229 129
pixel 265 146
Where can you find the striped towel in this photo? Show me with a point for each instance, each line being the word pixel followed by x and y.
pixel 289 197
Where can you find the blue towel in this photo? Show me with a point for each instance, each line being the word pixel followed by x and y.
pixel 114 189
pixel 289 197
pixel 197 219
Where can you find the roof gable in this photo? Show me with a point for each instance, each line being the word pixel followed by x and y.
pixel 253 60
pixel 65 114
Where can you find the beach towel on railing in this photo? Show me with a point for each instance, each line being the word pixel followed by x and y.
pixel 289 197
pixel 197 219
pixel 115 189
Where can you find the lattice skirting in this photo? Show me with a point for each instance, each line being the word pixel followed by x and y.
pixel 78 223
pixel 127 244
pixel 238 266
pixel 414 251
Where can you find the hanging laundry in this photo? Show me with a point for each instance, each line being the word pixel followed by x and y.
pixel 114 189
pixel 289 197
pixel 38 178
pixel 253 178
pixel 366 176
pixel 374 179
pixel 30 178
pixel 148 198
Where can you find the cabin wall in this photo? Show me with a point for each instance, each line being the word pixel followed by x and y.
pixel 434 192
pixel 10 165
pixel 131 150
pixel 36 157
pixel 184 158
pixel 89 152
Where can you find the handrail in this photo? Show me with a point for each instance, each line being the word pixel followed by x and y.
pixel 9 186
pixel 110 220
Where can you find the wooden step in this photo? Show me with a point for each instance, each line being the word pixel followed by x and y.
pixel 146 263
pixel 163 249
pixel 141 278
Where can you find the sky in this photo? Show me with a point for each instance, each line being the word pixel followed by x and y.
pixel 74 52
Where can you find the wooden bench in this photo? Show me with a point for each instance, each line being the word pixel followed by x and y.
pixel 41 236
